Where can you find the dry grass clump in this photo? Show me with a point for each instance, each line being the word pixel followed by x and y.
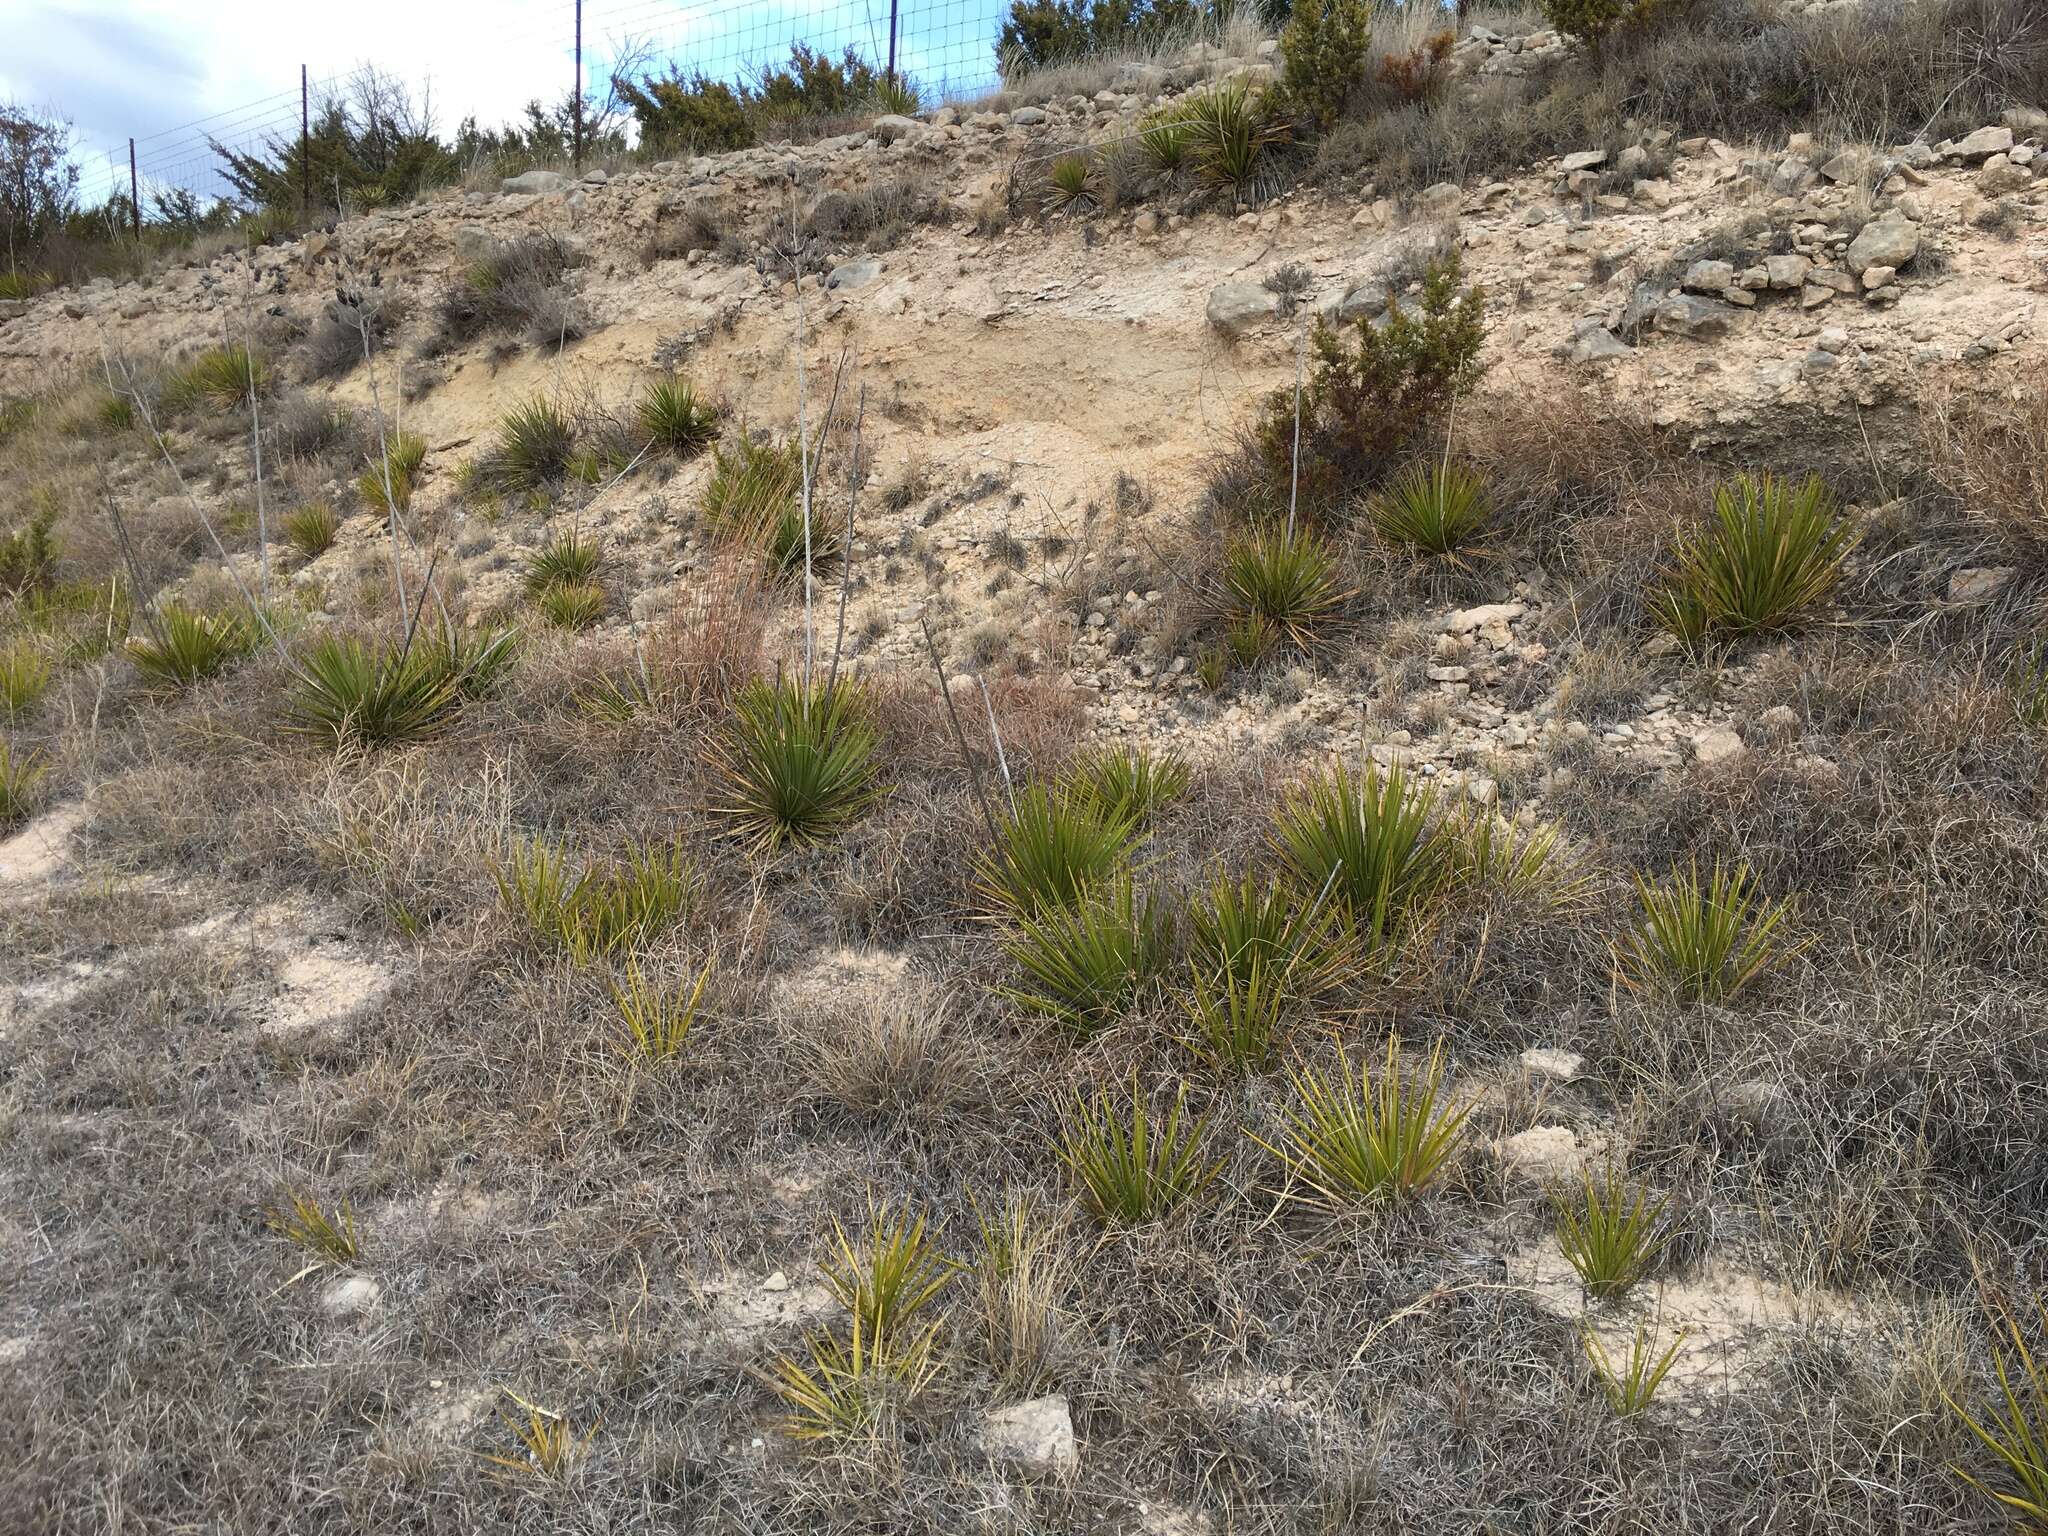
pixel 21 776
pixel 334 345
pixel 515 290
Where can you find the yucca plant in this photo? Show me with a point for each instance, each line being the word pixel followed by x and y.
pixel 185 646
pixel 388 486
pixel 1610 1233
pixel 535 443
pixel 898 94
pixel 1070 182
pixel 1527 865
pixel 1631 1385
pixel 311 529
pixel 658 1020
pixel 1368 842
pixel 1127 785
pixel 891 1275
pixel 221 377
pixel 2026 679
pixel 475 660
pixel 355 694
pixel 1051 850
pixel 2016 1429
pixel 1356 1142
pixel 1702 940
pixel 1296 940
pixel 1228 134
pixel 1238 1018
pixel 114 413
pixel 574 605
pixel 754 499
pixel 1772 551
pixel 1165 140
pixel 331 1238
pixel 21 775
pixel 675 420
pixel 572 558
pixel 800 761
pixel 1088 963
pixel 1133 1167
pixel 603 910
pixel 24 678
pixel 1284 579
pixel 1439 509
pixel 548 1446
pixel 846 1391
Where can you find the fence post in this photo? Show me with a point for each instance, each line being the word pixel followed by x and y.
pixel 305 151
pixel 576 95
pixel 134 195
pixel 892 41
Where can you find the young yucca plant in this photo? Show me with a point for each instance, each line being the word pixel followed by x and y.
pixel 388 486
pixel 1133 1167
pixel 311 529
pixel 354 694
pixel 1527 865
pixel 1127 786
pixel 476 660
pixel 574 604
pixel 603 910
pixel 1070 182
pixel 1228 135
pixel 222 377
pixel 1088 963
pixel 2016 1429
pixel 185 647
pixel 24 678
pixel 331 1238
pixel 548 1445
pixel 899 94
pixel 21 776
pixel 1238 924
pixel 1632 1384
pixel 1369 842
pixel 1287 580
pixel 1701 940
pixel 1238 1018
pixel 658 1020
pixel 1051 850
pixel 1438 509
pixel 1355 1142
pixel 535 444
pixel 847 1390
pixel 573 558
pixel 675 420
pixel 1611 1233
pixel 114 413
pixel 799 761
pixel 1165 140
pixel 2026 679
pixel 893 1273
pixel 1771 552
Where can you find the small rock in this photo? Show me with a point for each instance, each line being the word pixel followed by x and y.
pixel 1891 241
pixel 2000 177
pixel 892 126
pixel 1037 1434
pixel 1028 117
pixel 2025 120
pixel 1709 277
pixel 1546 1154
pixel 1690 316
pixel 854 274
pixel 1787 273
pixel 532 184
pixel 1981 145
pixel 356 1293
pixel 1876 278
pixel 1546 1061
pixel 1980 583
pixel 1583 160
pixel 1716 744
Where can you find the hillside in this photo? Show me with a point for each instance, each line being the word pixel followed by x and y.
pixel 462 955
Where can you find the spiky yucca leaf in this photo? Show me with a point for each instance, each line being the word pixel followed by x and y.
pixel 1610 1233
pixel 1239 1017
pixel 185 646
pixel 388 485
pixel 658 1020
pixel 24 678
pixel 1088 962
pixel 332 1238
pixel 675 419
pixel 1133 1167
pixel 1051 850
pixel 21 775
pixel 311 529
pixel 755 500
pixel 1368 1140
pixel 357 694
pixel 1632 1384
pixel 1281 579
pixel 848 1390
pixel 221 377
pixel 548 1446
pixel 1127 785
pixel 1771 553
pixel 1228 134
pixel 2016 1428
pixel 1070 182
pixel 568 559
pixel 893 1273
pixel 1702 940
pixel 1487 852
pixel 1435 509
pixel 1369 842
pixel 799 761
pixel 606 909
pixel 535 443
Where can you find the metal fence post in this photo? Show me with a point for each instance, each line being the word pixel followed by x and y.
pixel 576 95
pixel 892 41
pixel 134 195
pixel 305 151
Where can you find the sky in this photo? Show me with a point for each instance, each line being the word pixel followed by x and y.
pixel 158 69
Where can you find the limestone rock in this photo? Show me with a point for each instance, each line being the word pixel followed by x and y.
pixel 346 1297
pixel 1037 1434
pixel 1716 744
pixel 1981 145
pixel 1028 117
pixel 1981 583
pixel 2025 120
pixel 2000 177
pixel 1891 241
pixel 854 274
pixel 892 126
pixel 532 184
pixel 1690 316
pixel 1583 160
pixel 1787 273
pixel 1549 1062
pixel 1713 277
pixel 1236 307
pixel 1545 1154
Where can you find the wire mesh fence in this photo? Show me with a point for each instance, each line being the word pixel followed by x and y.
pixel 944 48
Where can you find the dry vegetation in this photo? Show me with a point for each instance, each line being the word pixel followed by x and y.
pixel 689 955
